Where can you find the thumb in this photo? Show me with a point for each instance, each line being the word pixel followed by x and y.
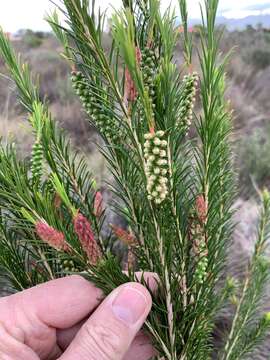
pixel 109 332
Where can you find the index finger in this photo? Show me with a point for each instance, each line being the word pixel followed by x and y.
pixel 59 303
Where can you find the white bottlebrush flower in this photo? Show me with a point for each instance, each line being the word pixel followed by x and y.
pixel 149 187
pixel 157 141
pixel 163 180
pixel 147 144
pixel 162 162
pixel 164 143
pixel 149 136
pixel 156 151
pixel 156 166
pixel 164 171
pixel 160 133
pixel 163 195
pixel 162 153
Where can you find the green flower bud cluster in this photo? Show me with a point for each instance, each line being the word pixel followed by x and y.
pixel 202 264
pixel 40 278
pixel 190 84
pixel 67 266
pixel 155 153
pixel 267 317
pixel 36 276
pixel 93 107
pixel 49 185
pixel 231 284
pixel 266 196
pixel 36 161
pixel 200 251
pixel 148 68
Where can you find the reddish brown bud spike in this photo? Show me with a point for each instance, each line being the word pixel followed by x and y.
pixel 201 208
pixel 126 237
pixel 138 55
pixel 98 204
pixel 131 260
pixel 130 89
pixel 57 201
pixel 51 236
pixel 87 239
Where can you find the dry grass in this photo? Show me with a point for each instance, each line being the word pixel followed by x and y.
pixel 17 131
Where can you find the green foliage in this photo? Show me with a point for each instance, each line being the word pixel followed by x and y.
pixel 98 108
pixel 33 39
pixel 246 329
pixel 20 73
pixel 254 165
pixel 188 43
pixel 174 194
pixel 259 58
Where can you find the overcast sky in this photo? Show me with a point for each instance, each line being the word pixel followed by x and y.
pixel 18 14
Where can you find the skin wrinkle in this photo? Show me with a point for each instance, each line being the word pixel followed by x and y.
pixel 90 296
pixel 31 329
pixel 102 340
pixel 65 337
pixel 143 348
pixel 33 332
pixel 37 334
pixel 12 349
pixel 141 343
pixel 76 306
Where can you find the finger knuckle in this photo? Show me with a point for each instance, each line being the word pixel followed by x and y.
pixel 10 347
pixel 102 340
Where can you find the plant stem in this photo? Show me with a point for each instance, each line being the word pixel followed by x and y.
pixel 234 336
pixel 179 234
pixel 169 305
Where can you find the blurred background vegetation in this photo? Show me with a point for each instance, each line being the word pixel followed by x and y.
pixel 248 80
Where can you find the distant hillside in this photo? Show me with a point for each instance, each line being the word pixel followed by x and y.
pixel 240 24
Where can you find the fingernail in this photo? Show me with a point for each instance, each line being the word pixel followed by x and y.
pixel 129 305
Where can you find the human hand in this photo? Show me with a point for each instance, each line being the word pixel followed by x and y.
pixel 48 322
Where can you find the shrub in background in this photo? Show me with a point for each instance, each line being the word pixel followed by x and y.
pixel 32 39
pixel 253 159
pixel 175 194
pixel 259 58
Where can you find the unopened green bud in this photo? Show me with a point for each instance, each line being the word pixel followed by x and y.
pixel 234 300
pixel 266 195
pixel 230 283
pixel 94 184
pixel 267 317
